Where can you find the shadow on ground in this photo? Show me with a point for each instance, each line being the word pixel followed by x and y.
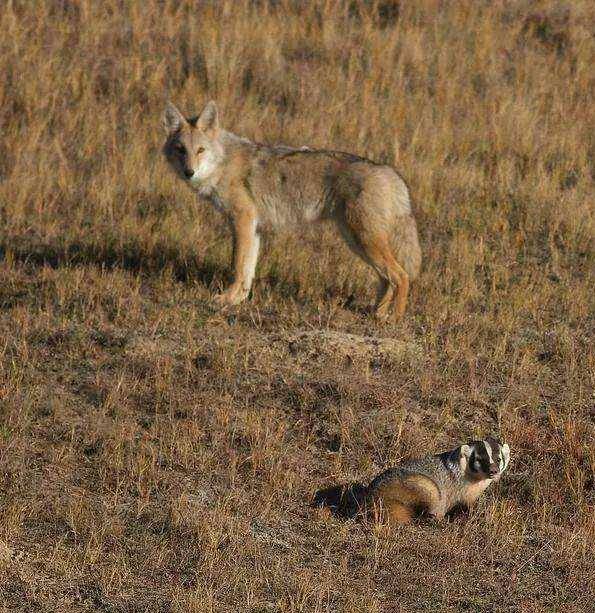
pixel 131 257
pixel 139 259
pixel 346 501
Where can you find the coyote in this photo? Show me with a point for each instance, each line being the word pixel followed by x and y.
pixel 260 187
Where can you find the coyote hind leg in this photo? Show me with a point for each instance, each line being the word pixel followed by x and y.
pixel 384 291
pixel 375 250
pixel 397 287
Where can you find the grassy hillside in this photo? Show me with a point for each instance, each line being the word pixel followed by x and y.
pixel 158 456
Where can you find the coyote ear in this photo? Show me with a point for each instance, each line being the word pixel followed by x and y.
pixel 209 118
pixel 172 118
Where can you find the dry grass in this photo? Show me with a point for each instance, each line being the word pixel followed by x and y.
pixel 156 456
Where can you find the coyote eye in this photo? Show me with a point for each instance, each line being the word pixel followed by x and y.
pixel 200 150
pixel 180 148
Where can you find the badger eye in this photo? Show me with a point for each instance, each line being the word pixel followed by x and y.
pixel 200 150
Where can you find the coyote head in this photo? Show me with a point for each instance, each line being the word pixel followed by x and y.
pixel 192 147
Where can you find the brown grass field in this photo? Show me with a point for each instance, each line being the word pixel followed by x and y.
pixel 158 456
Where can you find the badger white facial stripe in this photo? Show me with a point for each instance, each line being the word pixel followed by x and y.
pixel 488 448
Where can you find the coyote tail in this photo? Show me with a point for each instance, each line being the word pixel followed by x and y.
pixel 406 245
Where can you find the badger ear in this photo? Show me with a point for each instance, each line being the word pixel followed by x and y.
pixel 465 452
pixel 172 118
pixel 505 456
pixel 209 118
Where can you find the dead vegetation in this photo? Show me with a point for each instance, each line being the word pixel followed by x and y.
pixel 158 456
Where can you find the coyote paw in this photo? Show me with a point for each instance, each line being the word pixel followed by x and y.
pixel 382 315
pixel 385 316
pixel 228 298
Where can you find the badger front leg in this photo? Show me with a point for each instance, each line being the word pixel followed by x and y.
pixel 246 244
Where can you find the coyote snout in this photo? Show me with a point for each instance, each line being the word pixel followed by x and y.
pixel 262 187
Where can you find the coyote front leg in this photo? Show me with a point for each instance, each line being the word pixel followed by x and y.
pixel 245 255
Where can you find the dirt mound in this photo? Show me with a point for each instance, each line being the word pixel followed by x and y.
pixel 325 344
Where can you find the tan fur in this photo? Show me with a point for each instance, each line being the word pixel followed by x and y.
pixel 393 512
pixel 474 490
pixel 403 498
pixel 259 187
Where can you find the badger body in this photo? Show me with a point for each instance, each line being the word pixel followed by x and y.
pixel 433 485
